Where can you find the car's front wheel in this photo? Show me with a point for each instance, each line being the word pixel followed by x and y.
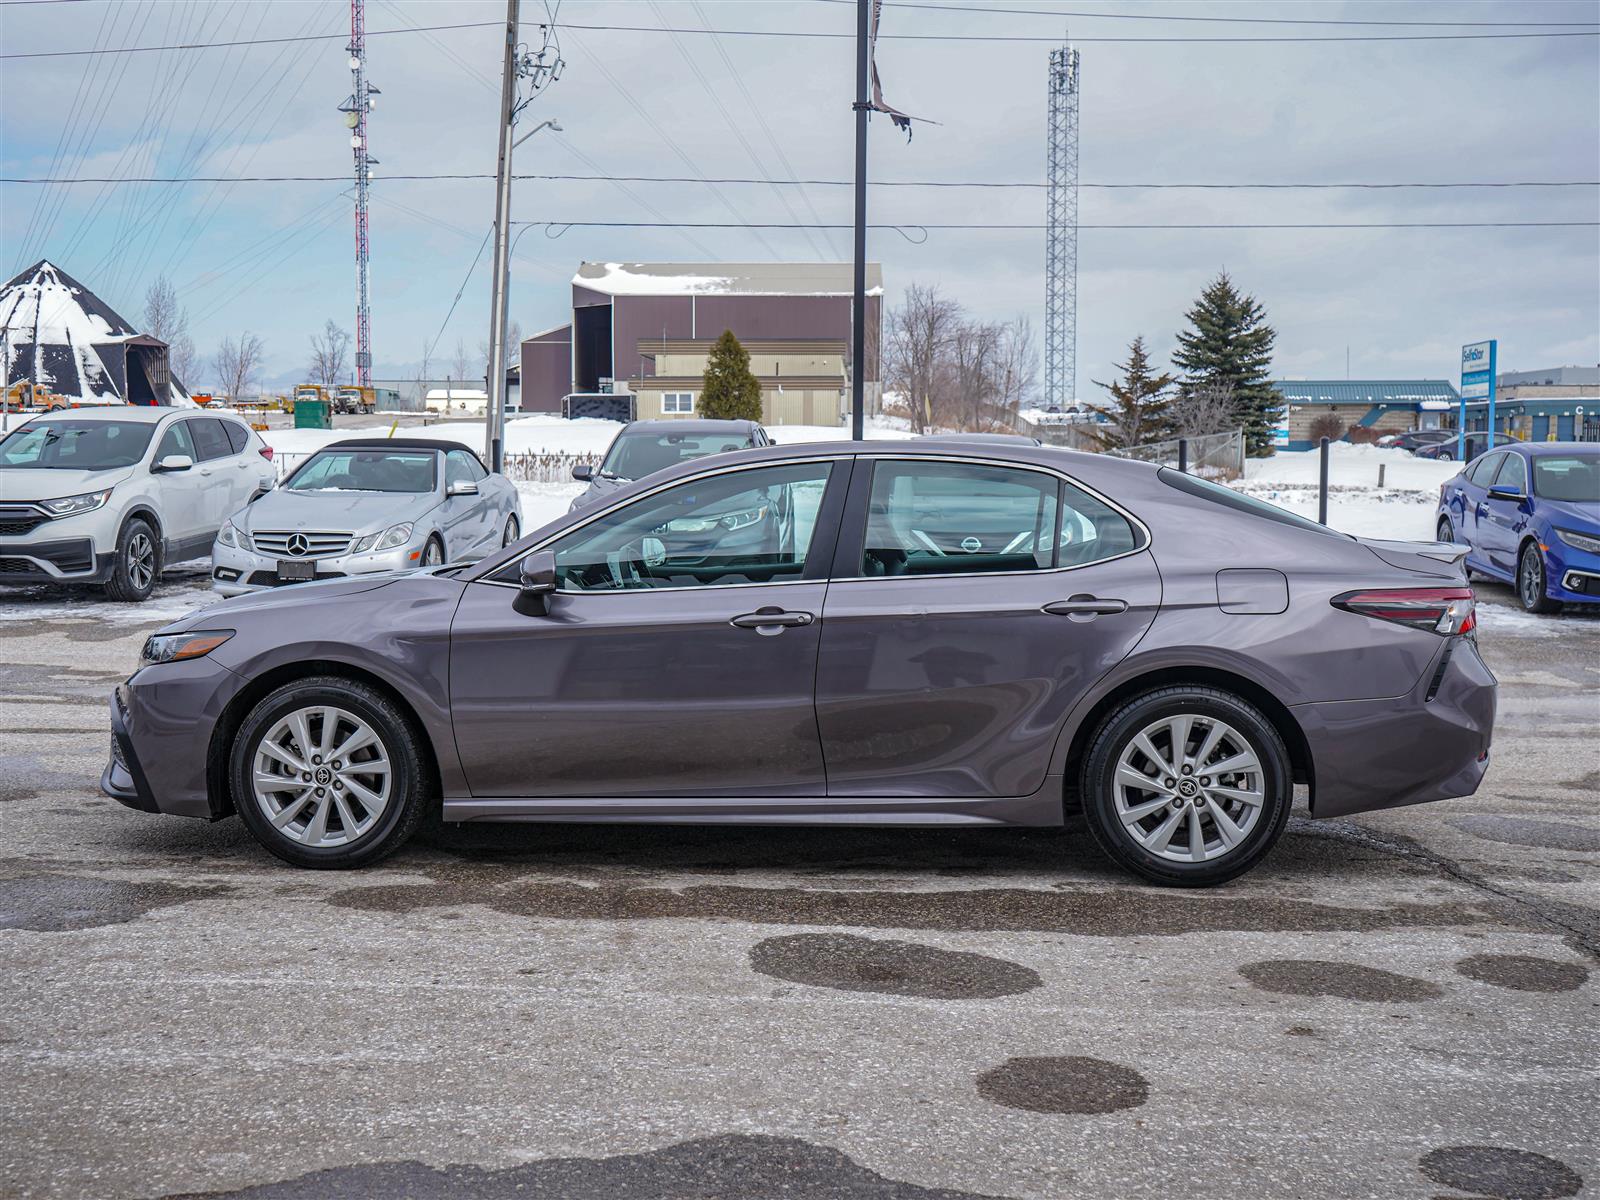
pixel 1187 786
pixel 329 772
pixel 136 564
pixel 512 531
pixel 1531 582
pixel 433 553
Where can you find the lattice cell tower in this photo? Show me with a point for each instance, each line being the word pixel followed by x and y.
pixel 1061 234
pixel 355 109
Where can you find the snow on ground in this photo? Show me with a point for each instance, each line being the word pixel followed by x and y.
pixel 544 502
pixel 1404 508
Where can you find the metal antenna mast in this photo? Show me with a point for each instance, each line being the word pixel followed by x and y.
pixel 1061 234
pixel 355 108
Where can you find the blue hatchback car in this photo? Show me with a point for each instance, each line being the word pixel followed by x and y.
pixel 1530 514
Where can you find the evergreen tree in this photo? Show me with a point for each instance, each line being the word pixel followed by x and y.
pixel 1141 402
pixel 729 391
pixel 1229 344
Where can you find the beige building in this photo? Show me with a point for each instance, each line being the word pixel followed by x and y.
pixel 802 382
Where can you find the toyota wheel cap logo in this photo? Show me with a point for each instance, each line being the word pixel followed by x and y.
pixel 298 543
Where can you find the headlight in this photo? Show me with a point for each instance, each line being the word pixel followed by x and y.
pixel 395 535
pixel 173 647
pixel 71 506
pixel 231 535
pixel 730 521
pixel 1580 541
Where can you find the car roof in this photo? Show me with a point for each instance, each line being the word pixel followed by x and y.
pixel 116 412
pixel 395 443
pixel 689 425
pixel 1535 449
pixel 1022 439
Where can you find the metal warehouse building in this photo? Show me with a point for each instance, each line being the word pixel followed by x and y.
pixel 640 334
pixel 1556 404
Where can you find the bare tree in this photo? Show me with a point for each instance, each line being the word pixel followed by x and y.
pixel 461 362
pixel 164 318
pixel 1016 366
pixel 967 402
pixel 918 342
pixel 329 350
pixel 183 358
pixel 1205 408
pixel 236 364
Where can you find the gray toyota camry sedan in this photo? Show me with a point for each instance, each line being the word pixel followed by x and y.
pixel 917 633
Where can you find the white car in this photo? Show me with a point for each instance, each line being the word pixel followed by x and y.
pixel 109 495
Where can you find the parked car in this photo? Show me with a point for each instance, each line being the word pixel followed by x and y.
pixel 1530 516
pixel 1415 439
pixel 932 633
pixel 644 447
pixel 109 496
pixel 363 506
pixel 1448 450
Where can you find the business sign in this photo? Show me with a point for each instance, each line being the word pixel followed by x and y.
pixel 1477 370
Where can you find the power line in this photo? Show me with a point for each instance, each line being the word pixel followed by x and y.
pixel 903 226
pixel 897 183
pixel 1061 13
pixel 828 34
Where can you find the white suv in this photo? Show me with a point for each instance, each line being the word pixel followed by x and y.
pixel 109 495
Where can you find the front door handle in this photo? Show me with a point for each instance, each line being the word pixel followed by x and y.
pixel 774 619
pixel 1086 606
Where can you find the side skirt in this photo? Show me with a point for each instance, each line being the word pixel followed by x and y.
pixel 1043 807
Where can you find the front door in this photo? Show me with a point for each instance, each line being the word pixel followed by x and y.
pixel 182 494
pixel 1501 520
pixel 678 655
pixel 985 601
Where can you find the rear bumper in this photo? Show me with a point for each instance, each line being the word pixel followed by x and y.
pixel 1432 744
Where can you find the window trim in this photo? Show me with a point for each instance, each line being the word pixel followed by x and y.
pixel 852 538
pixel 836 486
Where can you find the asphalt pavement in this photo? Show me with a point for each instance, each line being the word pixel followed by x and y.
pixel 1394 1005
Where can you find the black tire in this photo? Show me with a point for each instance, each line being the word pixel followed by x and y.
pixel 1531 582
pixel 512 531
pixel 1118 731
pixel 1446 531
pixel 136 564
pixel 401 743
pixel 433 552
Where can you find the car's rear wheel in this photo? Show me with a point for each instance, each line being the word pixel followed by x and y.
pixel 1531 582
pixel 136 564
pixel 513 531
pixel 1187 786
pixel 329 773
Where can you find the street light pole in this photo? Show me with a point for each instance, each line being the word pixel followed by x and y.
pixel 495 429
pixel 858 315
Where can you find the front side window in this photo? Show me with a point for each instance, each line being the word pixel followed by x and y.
pixel 365 471
pixel 177 440
pixel 942 518
pixel 1513 474
pixel 635 455
pixel 742 527
pixel 65 444
pixel 1571 477
pixel 677 402
pixel 461 467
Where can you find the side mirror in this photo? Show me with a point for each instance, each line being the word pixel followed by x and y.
pixel 173 462
pixel 537 582
pixel 462 487
pixel 1504 493
pixel 583 472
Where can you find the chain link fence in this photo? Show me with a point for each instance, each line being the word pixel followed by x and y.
pixel 1212 456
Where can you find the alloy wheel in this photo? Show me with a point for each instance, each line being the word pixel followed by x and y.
pixel 511 533
pixel 141 561
pixel 1189 788
pixel 321 775
pixel 1532 579
pixel 432 554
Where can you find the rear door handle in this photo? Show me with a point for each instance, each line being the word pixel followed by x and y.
pixel 1086 606
pixel 772 618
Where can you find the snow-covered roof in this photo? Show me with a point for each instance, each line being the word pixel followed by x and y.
pixel 51 326
pixel 726 279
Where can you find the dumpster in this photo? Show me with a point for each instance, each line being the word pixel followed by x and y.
pixel 312 414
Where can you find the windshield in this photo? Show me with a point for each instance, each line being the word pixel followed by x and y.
pixel 365 471
pixel 68 444
pixel 635 455
pixel 1572 477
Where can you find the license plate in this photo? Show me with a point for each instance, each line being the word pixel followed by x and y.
pixel 296 571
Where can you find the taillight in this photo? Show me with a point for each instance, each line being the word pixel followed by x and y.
pixel 1438 610
pixel 266 452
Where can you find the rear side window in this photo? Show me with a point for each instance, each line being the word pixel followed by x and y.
pixel 238 435
pixel 210 439
pixel 1483 471
pixel 1238 501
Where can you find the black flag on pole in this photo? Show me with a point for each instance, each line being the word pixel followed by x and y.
pixel 901 120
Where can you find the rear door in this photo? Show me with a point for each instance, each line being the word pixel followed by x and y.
pixel 223 487
pixel 972 604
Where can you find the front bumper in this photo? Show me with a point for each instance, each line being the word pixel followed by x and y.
pixel 1431 744
pixel 162 720
pixel 1572 576
pixel 64 560
pixel 236 572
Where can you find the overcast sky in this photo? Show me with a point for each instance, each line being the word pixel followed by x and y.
pixel 276 258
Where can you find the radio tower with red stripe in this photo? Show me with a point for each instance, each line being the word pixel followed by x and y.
pixel 356 108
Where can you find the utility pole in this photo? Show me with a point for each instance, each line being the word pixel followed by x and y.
pixel 858 307
pixel 355 109
pixel 495 431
